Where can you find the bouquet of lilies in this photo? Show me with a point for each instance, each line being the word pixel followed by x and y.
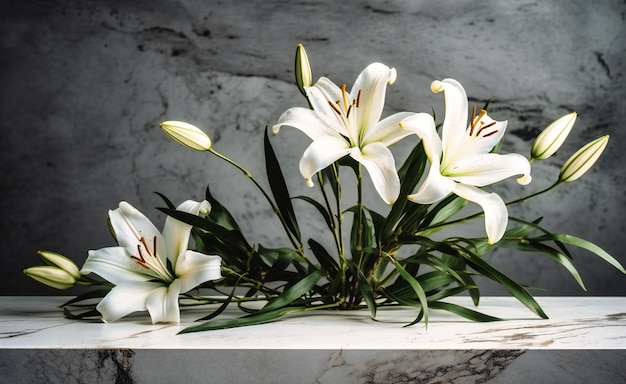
pixel 453 163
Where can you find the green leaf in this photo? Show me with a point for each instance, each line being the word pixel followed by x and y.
pixel 279 189
pixel 582 243
pixel 219 214
pixel 325 259
pixel 365 287
pixel 441 212
pixel 87 295
pixel 295 291
pixel 417 288
pixel 257 318
pixel 322 210
pixel 280 259
pixel 481 266
pixel 462 311
pixel 410 173
pixel 166 200
pixel 532 246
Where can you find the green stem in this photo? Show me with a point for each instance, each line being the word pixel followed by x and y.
pixel 296 244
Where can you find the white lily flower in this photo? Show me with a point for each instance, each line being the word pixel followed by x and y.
pixel 150 269
pixel 343 123
pixel 460 159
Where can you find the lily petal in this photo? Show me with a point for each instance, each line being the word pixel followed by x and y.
pixel 162 304
pixel 380 165
pixel 372 85
pixel 176 233
pixel 125 299
pixel 320 154
pixel 115 266
pixel 323 102
pixel 423 125
pixel 482 141
pixel 496 215
pixel 306 121
pixel 434 188
pixel 489 168
pixel 131 226
pixel 388 131
pixel 455 116
pixel 194 268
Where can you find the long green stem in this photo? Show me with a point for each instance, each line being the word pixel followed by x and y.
pixel 342 256
pixel 296 244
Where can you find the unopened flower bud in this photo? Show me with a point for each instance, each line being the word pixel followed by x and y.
pixel 304 78
pixel 60 261
pixel 51 276
pixel 552 137
pixel 187 134
pixel 583 159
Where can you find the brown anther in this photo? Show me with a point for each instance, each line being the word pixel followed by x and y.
pixel 490 133
pixel 358 98
pixel 334 108
pixel 145 244
pixel 485 127
pixel 348 113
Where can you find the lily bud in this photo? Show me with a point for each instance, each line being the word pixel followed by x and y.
pixel 187 134
pixel 60 261
pixel 51 276
pixel 304 78
pixel 552 137
pixel 583 159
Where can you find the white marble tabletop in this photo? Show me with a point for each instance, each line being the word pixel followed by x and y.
pixel 596 323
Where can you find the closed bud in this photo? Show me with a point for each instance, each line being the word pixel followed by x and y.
pixel 57 260
pixel 187 134
pixel 304 78
pixel 552 137
pixel 51 276
pixel 583 159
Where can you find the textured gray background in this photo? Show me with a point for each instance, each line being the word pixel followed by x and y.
pixel 85 84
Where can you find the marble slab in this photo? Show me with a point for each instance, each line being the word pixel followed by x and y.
pixel 583 341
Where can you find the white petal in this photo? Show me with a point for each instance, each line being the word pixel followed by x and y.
pixel 388 131
pixel 434 188
pixel 115 266
pixel 496 215
pixel 162 303
pixel 378 161
pixel 481 170
pixel 194 268
pixel 321 102
pixel 125 299
pixel 455 117
pixel 305 120
pixel 423 125
pixel 372 84
pixel 320 154
pixel 176 233
pixel 131 226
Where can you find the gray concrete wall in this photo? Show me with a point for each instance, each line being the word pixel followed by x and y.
pixel 85 84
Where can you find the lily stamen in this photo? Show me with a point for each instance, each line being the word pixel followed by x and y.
pixel 483 127
pixel 358 98
pixel 345 96
pixel 476 120
pixel 334 107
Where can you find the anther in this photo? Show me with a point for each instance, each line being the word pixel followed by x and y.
pixel 358 98
pixel 334 108
pixel 485 127
pixel 348 113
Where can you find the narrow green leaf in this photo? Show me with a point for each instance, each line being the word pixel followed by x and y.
pixel 87 295
pixel 582 243
pixel 325 259
pixel 219 214
pixel 365 287
pixel 166 200
pixel 257 318
pixel 463 311
pixel 417 288
pixel 510 285
pixel 279 189
pixel 295 291
pixel 322 210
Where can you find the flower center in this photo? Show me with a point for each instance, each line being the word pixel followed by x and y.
pixel 148 259
pixel 478 120
pixel 344 108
